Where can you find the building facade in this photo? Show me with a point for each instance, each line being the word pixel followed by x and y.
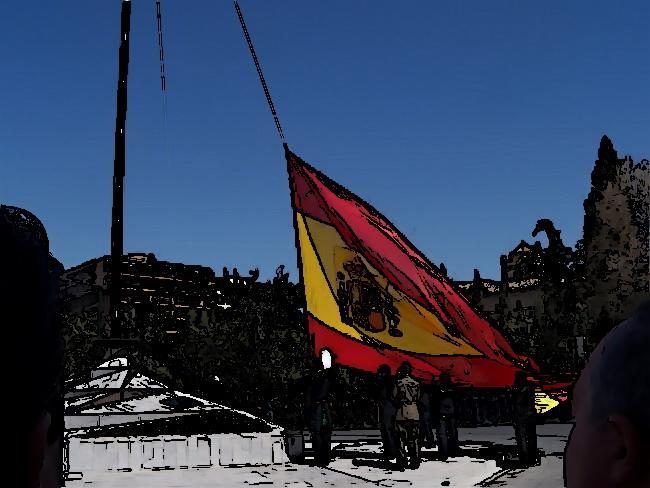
pixel 518 303
pixel 169 292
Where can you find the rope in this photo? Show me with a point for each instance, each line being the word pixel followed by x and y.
pixel 160 45
pixel 163 80
pixel 259 72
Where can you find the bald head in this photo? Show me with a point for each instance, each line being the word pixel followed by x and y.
pixel 619 373
pixel 609 443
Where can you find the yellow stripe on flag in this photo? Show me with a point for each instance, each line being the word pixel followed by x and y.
pixel 323 254
pixel 320 301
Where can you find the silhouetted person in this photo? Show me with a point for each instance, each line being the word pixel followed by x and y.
pixel 609 445
pixel 447 428
pixel 426 418
pixel 525 419
pixel 267 403
pixel 407 419
pixel 320 419
pixel 32 350
pixel 387 411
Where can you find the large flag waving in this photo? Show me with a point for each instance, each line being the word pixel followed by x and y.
pixel 373 298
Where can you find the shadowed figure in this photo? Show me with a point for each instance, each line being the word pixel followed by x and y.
pixel 447 428
pixel 609 445
pixel 407 419
pixel 525 419
pixel 33 349
pixel 319 416
pixel 387 411
pixel 427 419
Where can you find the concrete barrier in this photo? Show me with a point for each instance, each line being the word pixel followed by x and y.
pixel 173 452
pixel 295 445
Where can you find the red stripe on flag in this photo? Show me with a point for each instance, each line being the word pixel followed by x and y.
pixel 476 372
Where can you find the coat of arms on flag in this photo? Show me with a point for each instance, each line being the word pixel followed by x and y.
pixel 363 302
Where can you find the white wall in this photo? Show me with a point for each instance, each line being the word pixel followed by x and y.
pixel 166 451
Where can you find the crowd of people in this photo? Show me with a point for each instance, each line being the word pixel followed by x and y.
pixel 413 414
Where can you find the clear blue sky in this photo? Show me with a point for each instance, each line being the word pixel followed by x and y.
pixel 463 122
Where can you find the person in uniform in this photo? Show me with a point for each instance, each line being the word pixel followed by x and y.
pixel 427 438
pixel 525 419
pixel 407 419
pixel 320 420
pixel 387 411
pixel 447 427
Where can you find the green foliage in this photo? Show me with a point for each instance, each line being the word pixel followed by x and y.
pixel 616 236
pixel 587 291
pixel 79 333
pixel 353 400
pixel 257 348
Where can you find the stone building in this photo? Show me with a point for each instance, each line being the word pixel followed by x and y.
pixel 556 303
pixel 517 300
pixel 170 292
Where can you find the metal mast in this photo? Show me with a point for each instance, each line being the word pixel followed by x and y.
pixel 117 222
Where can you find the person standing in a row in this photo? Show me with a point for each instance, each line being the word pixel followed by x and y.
pixel 447 428
pixel 387 411
pixel 319 417
pixel 524 413
pixel 407 420
pixel 428 416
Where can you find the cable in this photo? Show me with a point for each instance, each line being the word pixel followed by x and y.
pixel 163 79
pixel 259 72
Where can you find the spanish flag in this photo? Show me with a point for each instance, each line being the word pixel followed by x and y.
pixel 372 298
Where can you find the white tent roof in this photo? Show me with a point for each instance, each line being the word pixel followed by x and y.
pixel 151 395
pixel 111 380
pixel 116 378
pixel 73 402
pixel 151 403
pixel 114 363
pixel 142 381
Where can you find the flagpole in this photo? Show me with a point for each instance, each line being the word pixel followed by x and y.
pixel 119 170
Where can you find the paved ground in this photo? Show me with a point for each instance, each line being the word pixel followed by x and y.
pixel 357 464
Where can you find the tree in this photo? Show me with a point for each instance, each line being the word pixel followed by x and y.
pixel 80 333
pixel 615 243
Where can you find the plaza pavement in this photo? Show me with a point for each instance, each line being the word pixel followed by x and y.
pixel 357 463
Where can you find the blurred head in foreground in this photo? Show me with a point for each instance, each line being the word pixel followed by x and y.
pixel 31 338
pixel 609 445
